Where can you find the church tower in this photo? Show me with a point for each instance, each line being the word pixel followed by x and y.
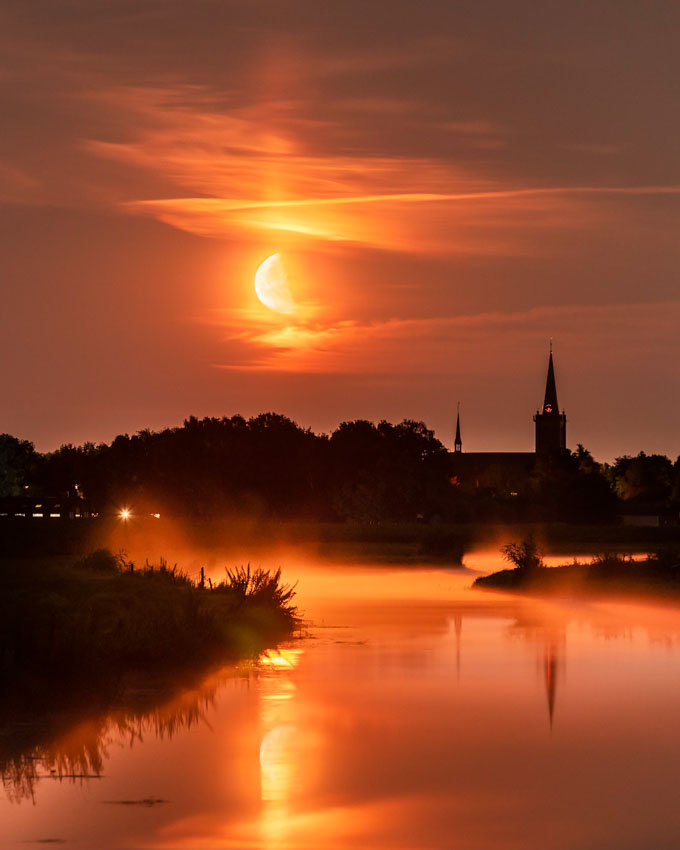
pixel 458 443
pixel 551 425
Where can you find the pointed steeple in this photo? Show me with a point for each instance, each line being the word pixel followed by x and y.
pixel 458 444
pixel 550 401
pixel 551 425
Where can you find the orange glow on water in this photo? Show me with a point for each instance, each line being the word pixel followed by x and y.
pixel 280 658
pixel 414 711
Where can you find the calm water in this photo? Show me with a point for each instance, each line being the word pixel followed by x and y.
pixel 417 713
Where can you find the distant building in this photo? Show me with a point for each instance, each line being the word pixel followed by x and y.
pixel 502 471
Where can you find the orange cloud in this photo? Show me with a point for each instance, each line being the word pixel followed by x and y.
pixel 389 223
pixel 413 346
pixel 266 167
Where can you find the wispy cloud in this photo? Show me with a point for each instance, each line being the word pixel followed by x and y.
pixel 269 167
pixel 389 223
pixel 227 205
pixel 412 346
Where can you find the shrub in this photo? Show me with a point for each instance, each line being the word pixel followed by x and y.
pixel 525 555
pixel 261 586
pixel 99 561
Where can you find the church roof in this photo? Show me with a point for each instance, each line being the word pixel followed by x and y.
pixel 473 462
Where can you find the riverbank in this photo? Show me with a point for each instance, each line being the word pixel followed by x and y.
pixel 656 576
pixel 386 543
pixel 102 617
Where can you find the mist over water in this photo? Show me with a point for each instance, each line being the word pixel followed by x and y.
pixel 414 712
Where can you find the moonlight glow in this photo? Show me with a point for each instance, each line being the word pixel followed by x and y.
pixel 271 286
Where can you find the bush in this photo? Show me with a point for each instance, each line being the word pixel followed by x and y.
pixel 260 586
pixel 99 561
pixel 525 555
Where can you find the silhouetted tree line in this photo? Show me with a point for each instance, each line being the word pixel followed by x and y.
pixel 365 472
pixel 18 462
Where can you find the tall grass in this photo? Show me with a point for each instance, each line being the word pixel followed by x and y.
pixel 259 585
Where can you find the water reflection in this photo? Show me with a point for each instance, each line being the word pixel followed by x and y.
pixel 277 715
pixel 552 664
pixel 549 637
pixel 69 740
pixel 417 713
pixel 280 740
pixel 458 630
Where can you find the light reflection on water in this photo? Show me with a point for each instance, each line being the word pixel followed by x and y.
pixel 280 757
pixel 417 713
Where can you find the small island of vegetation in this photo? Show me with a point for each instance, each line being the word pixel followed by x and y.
pixel 101 638
pixel 608 574
pixel 102 616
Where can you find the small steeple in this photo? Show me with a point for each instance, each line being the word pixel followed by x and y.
pixel 458 444
pixel 550 400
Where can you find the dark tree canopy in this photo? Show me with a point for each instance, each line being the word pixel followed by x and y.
pixel 647 478
pixel 364 472
pixel 17 460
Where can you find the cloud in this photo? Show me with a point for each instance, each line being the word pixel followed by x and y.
pixel 276 166
pixel 413 346
pixel 446 222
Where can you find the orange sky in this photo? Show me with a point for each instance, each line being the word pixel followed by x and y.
pixel 449 186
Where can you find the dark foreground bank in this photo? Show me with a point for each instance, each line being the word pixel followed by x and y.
pixel 101 616
pixel 612 575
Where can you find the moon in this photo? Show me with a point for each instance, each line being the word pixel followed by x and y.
pixel 271 286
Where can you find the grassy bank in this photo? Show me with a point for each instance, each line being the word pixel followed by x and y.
pixel 656 576
pixel 102 616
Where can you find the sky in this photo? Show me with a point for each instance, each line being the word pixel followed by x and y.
pixel 448 185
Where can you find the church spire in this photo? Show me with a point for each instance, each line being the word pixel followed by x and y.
pixel 550 401
pixel 458 444
pixel 551 425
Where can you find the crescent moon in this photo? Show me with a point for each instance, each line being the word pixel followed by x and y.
pixel 271 286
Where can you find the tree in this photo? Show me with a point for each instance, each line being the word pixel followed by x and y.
pixel 586 463
pixel 387 472
pixel 675 492
pixel 645 477
pixel 17 458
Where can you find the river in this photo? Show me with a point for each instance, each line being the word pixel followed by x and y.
pixel 414 712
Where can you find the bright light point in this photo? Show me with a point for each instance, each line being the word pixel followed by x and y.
pixel 125 513
pixel 156 516
pixel 271 286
